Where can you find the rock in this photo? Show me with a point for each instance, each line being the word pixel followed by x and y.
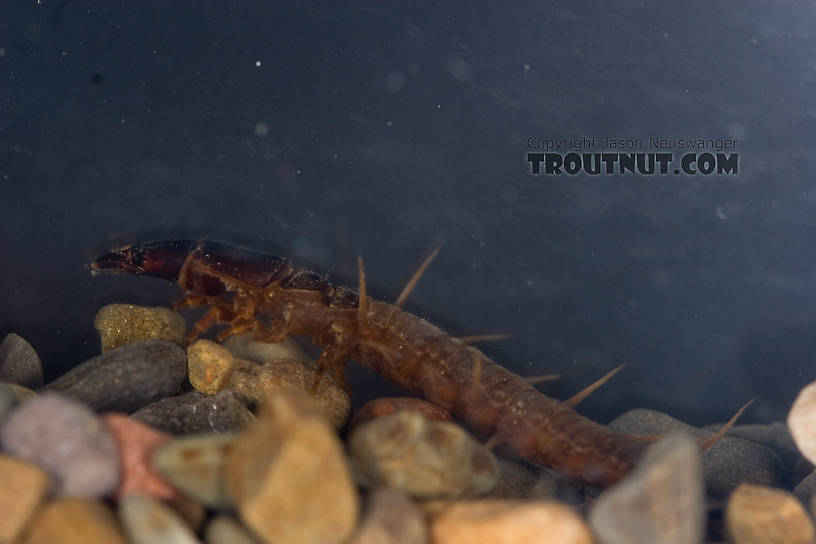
pixel 68 440
pixel 148 521
pixel 427 459
pixel 662 500
pixel 806 489
pixel 393 518
pixel 757 514
pixel 388 405
pixel 126 379
pixel 122 324
pixel 209 366
pixel 190 511
pixel 509 522
pixel 195 465
pixel 19 363
pixel 257 381
pixel 802 422
pixel 136 443
pixel 195 412
pixel 18 392
pixel 244 346
pixel 226 530
pixel 520 480
pixel 726 464
pixel 288 476
pixel 774 435
pixel 23 488
pixel 74 521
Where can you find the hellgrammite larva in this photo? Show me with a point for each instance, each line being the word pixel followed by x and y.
pixel 269 296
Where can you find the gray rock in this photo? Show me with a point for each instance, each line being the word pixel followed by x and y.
pixel 391 517
pixel 774 435
pixel 19 363
pixel 195 412
pixel 195 465
pixel 662 500
pixel 423 458
pixel 726 464
pixel 520 480
pixel 148 521
pixel 127 378
pixel 227 530
pixel 806 489
pixel 68 440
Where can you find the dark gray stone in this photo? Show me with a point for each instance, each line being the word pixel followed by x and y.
pixel 19 363
pixel 127 378
pixel 195 412
pixel 726 464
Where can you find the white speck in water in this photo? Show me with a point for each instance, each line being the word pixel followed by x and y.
pixel 395 81
pixel 721 213
pixel 257 63
pixel 460 69
pixel 261 129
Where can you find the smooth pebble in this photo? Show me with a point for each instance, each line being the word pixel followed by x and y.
pixel 68 440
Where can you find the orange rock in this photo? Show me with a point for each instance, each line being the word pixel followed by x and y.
pixel 137 442
pixel 23 487
pixel 74 521
pixel 509 522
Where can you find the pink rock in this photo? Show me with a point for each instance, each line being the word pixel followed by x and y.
pixel 137 442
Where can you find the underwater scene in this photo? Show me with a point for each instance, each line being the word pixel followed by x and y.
pixel 380 272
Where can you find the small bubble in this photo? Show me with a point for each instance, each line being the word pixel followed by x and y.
pixel 395 81
pixel 257 63
pixel 261 129
pixel 460 69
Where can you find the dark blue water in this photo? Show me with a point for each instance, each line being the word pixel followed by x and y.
pixel 321 131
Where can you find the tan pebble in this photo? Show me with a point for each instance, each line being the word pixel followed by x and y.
pixel 22 487
pixel 388 405
pixel 74 521
pixel 757 514
pixel 420 457
pixel 802 422
pixel 121 324
pixel 227 530
pixel 391 517
pixel 509 522
pixel 209 366
pixel 244 346
pixel 195 464
pixel 288 475
pixel 257 381
pixel 137 442
pixel 148 521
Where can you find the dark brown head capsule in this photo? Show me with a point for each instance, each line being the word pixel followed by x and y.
pixel 158 259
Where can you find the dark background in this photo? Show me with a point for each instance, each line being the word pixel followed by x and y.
pixel 370 128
